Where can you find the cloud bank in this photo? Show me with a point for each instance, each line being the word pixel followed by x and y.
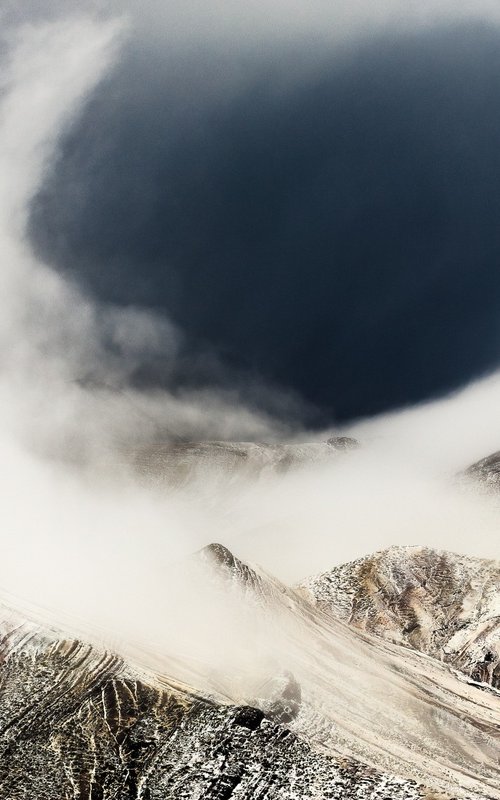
pixel 77 383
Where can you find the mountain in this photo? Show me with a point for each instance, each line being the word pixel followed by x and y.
pixel 331 710
pixel 486 472
pixel 176 463
pixel 78 722
pixel 442 604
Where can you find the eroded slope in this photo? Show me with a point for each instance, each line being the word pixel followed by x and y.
pixel 442 604
pixel 77 722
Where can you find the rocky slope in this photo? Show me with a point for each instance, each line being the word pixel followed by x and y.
pixel 442 604
pixel 486 472
pixel 176 463
pixel 77 722
pixel 337 715
pixel 388 666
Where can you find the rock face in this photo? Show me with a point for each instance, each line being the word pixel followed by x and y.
pixel 486 472
pixel 377 678
pixel 440 603
pixel 76 722
pixel 178 463
pixel 340 715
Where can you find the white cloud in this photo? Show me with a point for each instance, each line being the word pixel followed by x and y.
pixel 79 535
pixel 77 539
pixel 286 20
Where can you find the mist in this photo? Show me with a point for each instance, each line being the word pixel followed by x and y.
pixel 83 538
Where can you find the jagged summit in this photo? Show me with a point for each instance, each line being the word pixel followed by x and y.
pixel 253 581
pixel 219 555
pixel 224 564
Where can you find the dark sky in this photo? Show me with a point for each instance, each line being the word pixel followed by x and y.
pixel 332 223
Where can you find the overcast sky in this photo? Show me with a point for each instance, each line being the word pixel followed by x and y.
pixel 310 192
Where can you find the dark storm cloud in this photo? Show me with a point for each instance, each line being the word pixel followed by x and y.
pixel 336 232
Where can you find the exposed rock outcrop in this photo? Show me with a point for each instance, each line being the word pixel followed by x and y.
pixel 76 722
pixel 486 472
pixel 175 464
pixel 337 712
pixel 440 603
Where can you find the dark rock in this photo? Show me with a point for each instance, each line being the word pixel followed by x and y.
pixel 77 723
pixel 343 443
pixel 486 472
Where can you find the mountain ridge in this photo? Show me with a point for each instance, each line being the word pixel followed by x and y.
pixel 342 711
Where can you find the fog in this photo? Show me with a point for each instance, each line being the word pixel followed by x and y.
pixel 82 537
